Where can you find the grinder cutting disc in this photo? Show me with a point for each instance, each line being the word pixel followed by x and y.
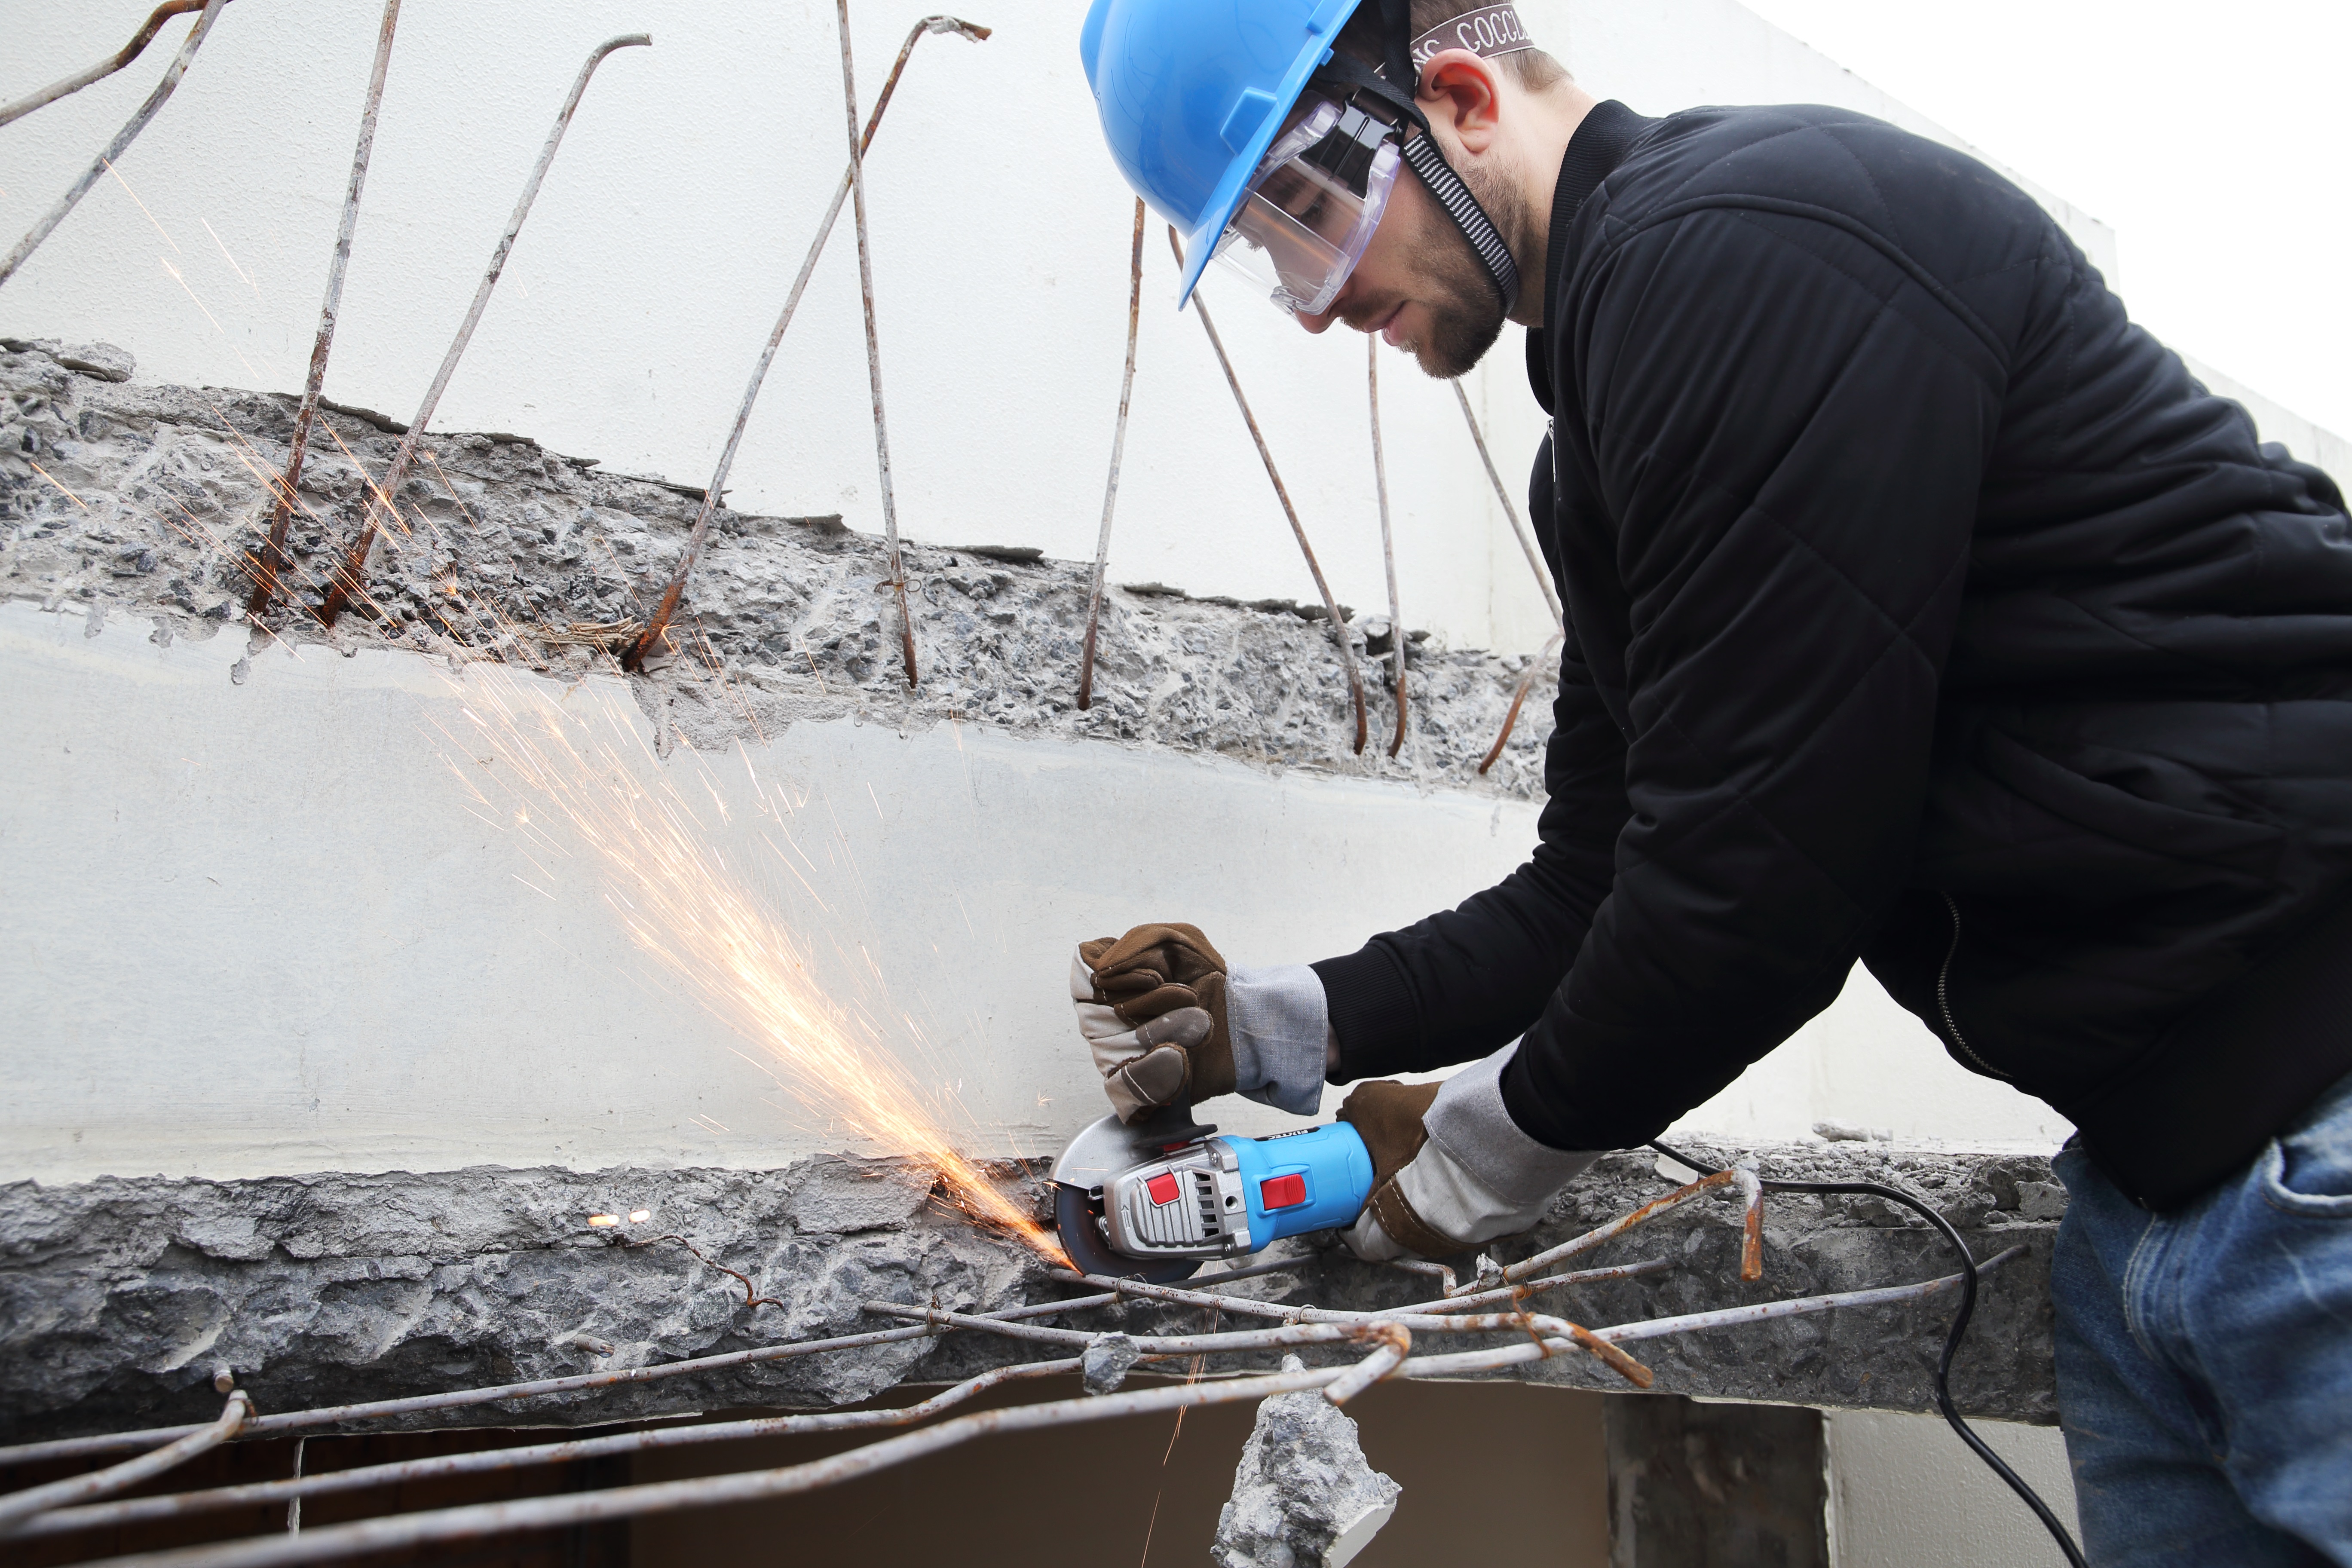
pixel 1096 1157
pixel 1078 1221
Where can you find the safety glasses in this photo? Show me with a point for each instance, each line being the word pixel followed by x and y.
pixel 1319 193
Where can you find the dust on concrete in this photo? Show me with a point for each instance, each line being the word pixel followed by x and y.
pixel 138 503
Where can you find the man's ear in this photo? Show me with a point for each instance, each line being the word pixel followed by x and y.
pixel 1463 91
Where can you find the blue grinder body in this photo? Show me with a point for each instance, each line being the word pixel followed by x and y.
pixel 1334 1172
pixel 1156 1200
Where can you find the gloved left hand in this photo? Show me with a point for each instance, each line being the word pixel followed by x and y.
pixel 1450 1168
pixel 1151 1005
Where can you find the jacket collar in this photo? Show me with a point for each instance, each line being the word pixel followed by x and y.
pixel 1593 154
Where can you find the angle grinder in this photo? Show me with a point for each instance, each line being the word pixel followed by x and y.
pixel 1153 1201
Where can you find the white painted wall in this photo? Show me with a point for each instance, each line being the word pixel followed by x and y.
pixel 1904 1492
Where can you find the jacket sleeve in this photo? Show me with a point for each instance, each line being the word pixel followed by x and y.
pixel 1460 984
pixel 1786 423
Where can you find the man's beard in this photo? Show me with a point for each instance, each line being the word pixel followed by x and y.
pixel 1464 307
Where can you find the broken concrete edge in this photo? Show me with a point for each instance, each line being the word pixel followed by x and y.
pixel 119 1298
pixel 147 500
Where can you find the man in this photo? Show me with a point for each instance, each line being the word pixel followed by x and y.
pixel 1922 611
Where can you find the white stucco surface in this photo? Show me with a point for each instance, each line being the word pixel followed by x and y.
pixel 273 928
pixel 1904 1492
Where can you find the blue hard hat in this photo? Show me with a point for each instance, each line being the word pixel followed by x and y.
pixel 1192 93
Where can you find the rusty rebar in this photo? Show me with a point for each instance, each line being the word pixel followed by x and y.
pixel 367 1478
pixel 114 149
pixel 17 1507
pixel 466 1398
pixel 273 551
pixel 643 646
pixel 105 67
pixel 1282 494
pixel 1526 539
pixel 874 347
pixel 1799 1306
pixel 1117 451
pixel 1388 540
pixel 1518 699
pixel 1616 1227
pixel 1752 1243
pixel 386 495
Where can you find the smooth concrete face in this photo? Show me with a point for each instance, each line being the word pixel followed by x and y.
pixel 270 928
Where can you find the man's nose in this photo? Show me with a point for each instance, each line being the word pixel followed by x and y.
pixel 1318 324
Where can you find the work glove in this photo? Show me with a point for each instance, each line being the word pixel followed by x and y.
pixel 1169 1023
pixel 1450 1168
pixel 1151 1005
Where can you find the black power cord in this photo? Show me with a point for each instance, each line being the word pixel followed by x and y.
pixel 1951 1340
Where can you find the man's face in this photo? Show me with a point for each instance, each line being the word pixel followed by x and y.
pixel 1421 286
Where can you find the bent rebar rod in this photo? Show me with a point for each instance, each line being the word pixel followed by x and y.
pixel 463 1398
pixel 114 149
pixel 874 347
pixel 17 1507
pixel 1331 605
pixel 105 67
pixel 1526 539
pixel 643 645
pixel 367 1477
pixel 1535 666
pixel 273 553
pixel 346 581
pixel 1388 541
pixel 1117 450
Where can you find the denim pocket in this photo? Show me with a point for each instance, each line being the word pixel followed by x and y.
pixel 2308 1171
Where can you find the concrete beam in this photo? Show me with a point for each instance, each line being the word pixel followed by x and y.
pixel 122 1297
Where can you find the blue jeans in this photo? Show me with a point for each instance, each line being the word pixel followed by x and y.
pixel 2205 1359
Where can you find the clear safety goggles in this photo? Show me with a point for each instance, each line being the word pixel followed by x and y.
pixel 1310 212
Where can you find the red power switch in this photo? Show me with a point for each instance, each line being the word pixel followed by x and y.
pixel 1282 1192
pixel 1162 1187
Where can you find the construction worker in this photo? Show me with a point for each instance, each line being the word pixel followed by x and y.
pixel 1922 611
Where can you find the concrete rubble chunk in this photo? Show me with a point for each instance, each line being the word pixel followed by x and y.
pixel 1304 1494
pixel 1105 1364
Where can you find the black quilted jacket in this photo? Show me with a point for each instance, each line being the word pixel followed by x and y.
pixel 1922 610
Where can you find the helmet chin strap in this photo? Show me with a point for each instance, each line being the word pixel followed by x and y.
pixel 1422 154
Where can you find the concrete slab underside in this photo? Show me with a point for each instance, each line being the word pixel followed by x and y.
pixel 122 1297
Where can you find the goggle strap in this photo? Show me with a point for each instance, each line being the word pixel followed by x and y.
pixel 1353 73
pixel 1427 159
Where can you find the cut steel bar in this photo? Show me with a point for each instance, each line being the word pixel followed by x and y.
pixel 273 553
pixel 1179 1296
pixel 1331 605
pixel 1518 699
pixel 874 347
pixel 1396 1344
pixel 1526 539
pixel 114 149
pixel 255 1494
pixel 1751 1244
pixel 1117 450
pixel 105 67
pixel 1764 1311
pixel 462 1398
pixel 1388 542
pixel 17 1507
pixel 408 1531
pixel 346 581
pixel 642 646
pixel 1616 1227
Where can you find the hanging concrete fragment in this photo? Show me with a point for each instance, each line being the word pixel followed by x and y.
pixel 1304 1494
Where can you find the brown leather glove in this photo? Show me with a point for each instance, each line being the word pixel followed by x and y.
pixel 1151 1005
pixel 1389 1116
pixel 1450 1170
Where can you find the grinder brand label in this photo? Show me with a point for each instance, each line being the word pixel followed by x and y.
pixel 1489 31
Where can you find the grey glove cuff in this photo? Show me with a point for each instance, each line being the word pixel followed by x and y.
pixel 1469 1121
pixel 1278 1023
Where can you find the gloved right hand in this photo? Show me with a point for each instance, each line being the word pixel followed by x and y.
pixel 1151 1005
